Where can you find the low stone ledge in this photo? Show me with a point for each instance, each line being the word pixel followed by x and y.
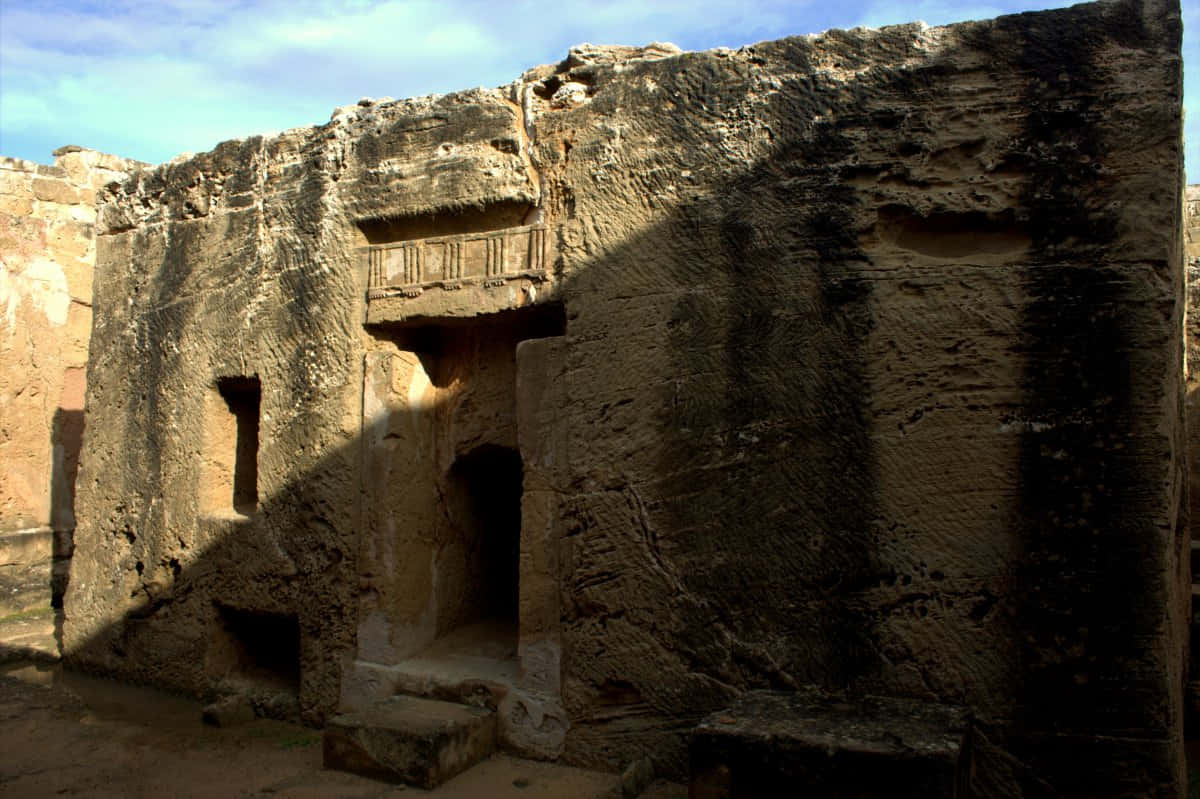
pixel 32 545
pixel 784 744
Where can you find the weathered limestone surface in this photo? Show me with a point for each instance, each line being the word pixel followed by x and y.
pixel 874 363
pixel 415 741
pixel 1191 240
pixel 47 251
pixel 855 362
pixel 244 263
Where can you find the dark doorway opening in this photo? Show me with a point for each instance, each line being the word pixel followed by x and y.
pixel 484 507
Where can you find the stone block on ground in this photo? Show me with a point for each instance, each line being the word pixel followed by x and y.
pixel 229 711
pixel 636 778
pixel 785 744
pixel 419 742
pixel 26 576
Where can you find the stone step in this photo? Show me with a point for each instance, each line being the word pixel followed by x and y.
pixel 419 742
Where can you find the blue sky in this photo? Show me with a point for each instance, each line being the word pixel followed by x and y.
pixel 149 79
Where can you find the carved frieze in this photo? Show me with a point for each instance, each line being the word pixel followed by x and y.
pixel 489 259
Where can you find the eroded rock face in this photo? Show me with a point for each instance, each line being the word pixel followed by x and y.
pixel 849 360
pixel 1191 240
pixel 48 247
pixel 47 251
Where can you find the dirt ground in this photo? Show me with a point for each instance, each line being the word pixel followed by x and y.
pixel 68 734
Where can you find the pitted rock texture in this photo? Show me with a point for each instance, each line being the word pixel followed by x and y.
pixel 47 250
pixel 1191 239
pixel 239 268
pixel 1191 230
pixel 859 367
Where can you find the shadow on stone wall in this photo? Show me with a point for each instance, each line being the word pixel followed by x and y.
pixel 66 441
pixel 725 515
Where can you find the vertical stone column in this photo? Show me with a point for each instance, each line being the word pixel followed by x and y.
pixel 532 716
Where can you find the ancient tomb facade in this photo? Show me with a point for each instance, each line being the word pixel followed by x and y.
pixel 849 361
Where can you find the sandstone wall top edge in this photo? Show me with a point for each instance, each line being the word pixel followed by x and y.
pixel 103 159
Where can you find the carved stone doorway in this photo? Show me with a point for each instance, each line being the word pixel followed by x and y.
pixel 460 425
pixel 483 506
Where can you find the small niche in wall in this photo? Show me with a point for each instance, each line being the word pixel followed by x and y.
pixel 230 475
pixel 256 647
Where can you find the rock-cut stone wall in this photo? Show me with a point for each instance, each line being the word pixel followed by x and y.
pixel 850 361
pixel 47 252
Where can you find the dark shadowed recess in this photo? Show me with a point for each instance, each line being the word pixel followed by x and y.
pixel 260 648
pixel 484 503
pixel 66 436
pixel 494 216
pixel 243 396
pixel 439 342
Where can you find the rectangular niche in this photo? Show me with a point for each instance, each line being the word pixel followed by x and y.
pixel 229 480
pixel 259 648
